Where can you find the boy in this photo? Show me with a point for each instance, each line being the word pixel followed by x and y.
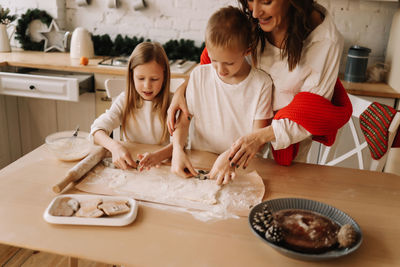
pixel 228 98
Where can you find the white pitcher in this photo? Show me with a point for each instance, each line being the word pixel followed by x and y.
pixel 81 44
pixel 4 40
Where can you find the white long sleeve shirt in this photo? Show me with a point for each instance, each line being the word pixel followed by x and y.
pixel 145 129
pixel 316 72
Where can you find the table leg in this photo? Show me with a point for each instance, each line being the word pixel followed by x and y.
pixel 72 262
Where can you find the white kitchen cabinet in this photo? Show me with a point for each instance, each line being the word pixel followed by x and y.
pixel 38 102
pixel 45 84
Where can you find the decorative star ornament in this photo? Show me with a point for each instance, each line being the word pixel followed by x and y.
pixel 53 38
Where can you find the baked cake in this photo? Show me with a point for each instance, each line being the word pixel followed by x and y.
pixel 306 231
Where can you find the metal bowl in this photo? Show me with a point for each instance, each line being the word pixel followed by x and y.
pixel 323 209
pixel 67 147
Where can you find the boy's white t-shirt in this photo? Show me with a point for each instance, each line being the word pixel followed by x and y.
pixel 316 72
pixel 146 129
pixel 224 112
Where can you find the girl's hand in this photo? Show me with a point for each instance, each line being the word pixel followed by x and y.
pixel 245 148
pixel 222 170
pixel 178 102
pixel 181 164
pixel 121 157
pixel 148 160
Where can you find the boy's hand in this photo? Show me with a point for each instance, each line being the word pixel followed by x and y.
pixel 121 157
pixel 222 170
pixel 148 160
pixel 181 164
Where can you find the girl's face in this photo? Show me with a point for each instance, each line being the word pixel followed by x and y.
pixel 271 14
pixel 148 79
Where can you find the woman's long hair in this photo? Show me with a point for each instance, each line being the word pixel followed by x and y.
pixel 144 53
pixel 300 26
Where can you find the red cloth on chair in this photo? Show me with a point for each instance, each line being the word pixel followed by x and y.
pixel 321 117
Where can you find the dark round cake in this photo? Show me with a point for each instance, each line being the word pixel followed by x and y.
pixel 306 231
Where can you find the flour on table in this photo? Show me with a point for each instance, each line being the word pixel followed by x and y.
pixel 159 185
pixel 156 184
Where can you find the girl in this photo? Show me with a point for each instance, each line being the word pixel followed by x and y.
pixel 140 111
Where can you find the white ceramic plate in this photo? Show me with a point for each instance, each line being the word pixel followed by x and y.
pixel 118 220
pixel 323 209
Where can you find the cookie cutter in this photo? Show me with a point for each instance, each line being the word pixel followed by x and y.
pixel 108 163
pixel 202 175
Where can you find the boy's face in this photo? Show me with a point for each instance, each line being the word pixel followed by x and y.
pixel 148 79
pixel 228 62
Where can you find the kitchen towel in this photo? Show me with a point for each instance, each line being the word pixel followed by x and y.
pixel 375 122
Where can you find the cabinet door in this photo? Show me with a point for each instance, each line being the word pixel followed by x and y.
pixel 38 118
pixel 10 141
pixel 5 151
pixel 71 114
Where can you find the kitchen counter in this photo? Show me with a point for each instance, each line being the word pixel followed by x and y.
pixel 61 61
pixel 160 237
pixel 371 89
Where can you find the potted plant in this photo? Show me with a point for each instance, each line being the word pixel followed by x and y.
pixel 5 20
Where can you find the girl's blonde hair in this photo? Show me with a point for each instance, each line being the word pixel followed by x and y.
pixel 144 53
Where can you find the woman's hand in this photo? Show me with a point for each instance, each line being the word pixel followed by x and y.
pixel 181 164
pixel 121 157
pixel 222 170
pixel 246 147
pixel 178 103
pixel 148 160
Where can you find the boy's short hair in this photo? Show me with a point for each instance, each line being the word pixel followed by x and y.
pixel 229 27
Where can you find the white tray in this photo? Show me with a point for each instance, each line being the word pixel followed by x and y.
pixel 118 220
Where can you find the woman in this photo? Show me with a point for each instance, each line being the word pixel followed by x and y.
pixel 298 45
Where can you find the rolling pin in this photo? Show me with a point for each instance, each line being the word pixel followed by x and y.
pixel 81 168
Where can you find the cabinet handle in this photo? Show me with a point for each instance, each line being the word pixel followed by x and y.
pixel 32 87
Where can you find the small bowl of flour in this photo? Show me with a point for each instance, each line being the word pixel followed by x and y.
pixel 67 147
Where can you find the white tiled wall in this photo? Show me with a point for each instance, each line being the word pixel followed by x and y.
pixel 361 22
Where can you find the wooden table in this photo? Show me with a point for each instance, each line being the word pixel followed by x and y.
pixel 166 238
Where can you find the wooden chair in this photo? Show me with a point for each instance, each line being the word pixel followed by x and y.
pixel 114 87
pixel 357 148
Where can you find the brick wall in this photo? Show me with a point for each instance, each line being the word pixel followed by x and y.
pixel 365 23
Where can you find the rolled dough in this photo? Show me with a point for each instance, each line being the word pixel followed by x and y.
pixel 161 186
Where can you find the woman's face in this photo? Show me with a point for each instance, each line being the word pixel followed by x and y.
pixel 148 79
pixel 271 14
